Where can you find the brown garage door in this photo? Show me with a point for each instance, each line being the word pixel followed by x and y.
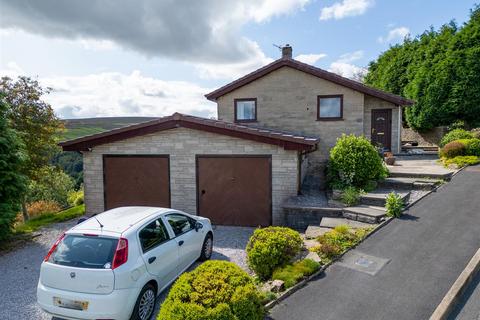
pixel 235 190
pixel 136 181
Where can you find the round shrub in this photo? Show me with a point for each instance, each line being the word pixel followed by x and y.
pixel 216 290
pixel 270 248
pixel 354 161
pixel 455 134
pixel 453 149
pixel 472 146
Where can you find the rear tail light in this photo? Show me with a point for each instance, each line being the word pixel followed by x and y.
pixel 55 245
pixel 121 253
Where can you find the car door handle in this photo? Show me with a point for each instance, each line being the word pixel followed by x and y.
pixel 180 243
pixel 151 259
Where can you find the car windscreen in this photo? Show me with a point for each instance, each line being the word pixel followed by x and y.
pixel 85 252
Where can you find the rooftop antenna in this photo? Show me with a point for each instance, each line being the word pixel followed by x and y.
pixel 278 46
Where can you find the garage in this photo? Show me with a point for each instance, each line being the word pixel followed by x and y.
pixel 231 173
pixel 235 190
pixel 136 180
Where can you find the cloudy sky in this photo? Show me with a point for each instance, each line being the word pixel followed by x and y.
pixel 155 57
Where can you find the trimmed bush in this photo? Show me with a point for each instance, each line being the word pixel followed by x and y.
pixel 216 290
pixel 472 146
pixel 453 149
pixel 354 161
pixel 455 134
pixel 293 273
pixel 270 248
pixel 394 205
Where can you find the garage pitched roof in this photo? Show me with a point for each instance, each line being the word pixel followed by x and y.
pixel 286 140
pixel 317 72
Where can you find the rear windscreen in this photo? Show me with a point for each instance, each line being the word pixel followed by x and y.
pixel 85 252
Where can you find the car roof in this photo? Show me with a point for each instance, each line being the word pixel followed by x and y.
pixel 118 220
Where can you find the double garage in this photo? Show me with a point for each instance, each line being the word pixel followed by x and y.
pixel 232 174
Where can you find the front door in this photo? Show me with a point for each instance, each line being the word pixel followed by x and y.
pixel 382 128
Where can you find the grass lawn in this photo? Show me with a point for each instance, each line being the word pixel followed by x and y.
pixel 35 223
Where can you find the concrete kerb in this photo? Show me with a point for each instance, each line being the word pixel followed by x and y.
pixel 453 295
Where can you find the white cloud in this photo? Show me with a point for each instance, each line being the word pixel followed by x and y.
pixel 346 8
pixel 12 70
pixel 118 94
pixel 97 45
pixel 310 58
pixel 344 67
pixel 207 31
pixel 394 35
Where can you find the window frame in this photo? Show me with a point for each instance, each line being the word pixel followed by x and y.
pixel 179 214
pixel 157 244
pixel 319 97
pixel 235 109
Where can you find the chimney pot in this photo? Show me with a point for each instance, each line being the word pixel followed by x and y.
pixel 287 52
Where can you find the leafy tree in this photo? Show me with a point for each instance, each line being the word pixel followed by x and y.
pixel 12 181
pixel 71 162
pixel 440 70
pixel 51 184
pixel 34 120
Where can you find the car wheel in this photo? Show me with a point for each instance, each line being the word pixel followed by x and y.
pixel 145 303
pixel 207 248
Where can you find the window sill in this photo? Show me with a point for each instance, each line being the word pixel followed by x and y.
pixel 245 121
pixel 330 119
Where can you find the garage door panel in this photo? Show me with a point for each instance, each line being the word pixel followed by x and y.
pixel 235 190
pixel 136 181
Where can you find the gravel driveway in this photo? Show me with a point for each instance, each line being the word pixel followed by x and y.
pixel 19 269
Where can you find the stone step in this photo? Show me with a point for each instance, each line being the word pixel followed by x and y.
pixel 420 173
pixel 313 232
pixel 405 183
pixel 300 217
pixel 333 222
pixel 378 197
pixel 363 213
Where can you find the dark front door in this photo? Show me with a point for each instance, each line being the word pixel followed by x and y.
pixel 235 190
pixel 141 180
pixel 382 128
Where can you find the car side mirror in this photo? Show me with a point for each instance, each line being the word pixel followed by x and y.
pixel 198 226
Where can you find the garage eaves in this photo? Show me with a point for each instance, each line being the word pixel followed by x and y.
pixel 288 141
pixel 317 72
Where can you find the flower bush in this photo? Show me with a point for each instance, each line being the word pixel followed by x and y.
pixel 270 248
pixel 354 161
pixel 216 290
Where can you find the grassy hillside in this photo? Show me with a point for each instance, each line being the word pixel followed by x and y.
pixel 75 128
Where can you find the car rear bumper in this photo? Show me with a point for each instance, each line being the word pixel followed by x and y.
pixel 117 305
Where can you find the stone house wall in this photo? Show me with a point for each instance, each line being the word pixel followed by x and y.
pixel 182 145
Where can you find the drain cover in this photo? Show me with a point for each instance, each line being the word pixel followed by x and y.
pixel 363 262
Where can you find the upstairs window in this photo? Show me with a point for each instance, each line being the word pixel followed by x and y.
pixel 330 107
pixel 246 110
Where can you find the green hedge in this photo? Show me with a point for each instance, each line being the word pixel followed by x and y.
pixel 354 161
pixel 270 248
pixel 216 290
pixel 462 147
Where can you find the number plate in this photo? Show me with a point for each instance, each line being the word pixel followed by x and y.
pixel 70 304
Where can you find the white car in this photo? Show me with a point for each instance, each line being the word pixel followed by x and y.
pixel 113 265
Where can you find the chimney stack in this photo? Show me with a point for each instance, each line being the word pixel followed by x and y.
pixel 287 52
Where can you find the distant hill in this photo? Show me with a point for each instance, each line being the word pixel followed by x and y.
pixel 76 128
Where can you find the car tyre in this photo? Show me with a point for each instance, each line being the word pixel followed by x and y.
pixel 207 248
pixel 145 304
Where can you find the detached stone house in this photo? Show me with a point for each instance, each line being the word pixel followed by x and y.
pixel 275 127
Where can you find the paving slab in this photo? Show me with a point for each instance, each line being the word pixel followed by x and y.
pixel 333 222
pixel 313 232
